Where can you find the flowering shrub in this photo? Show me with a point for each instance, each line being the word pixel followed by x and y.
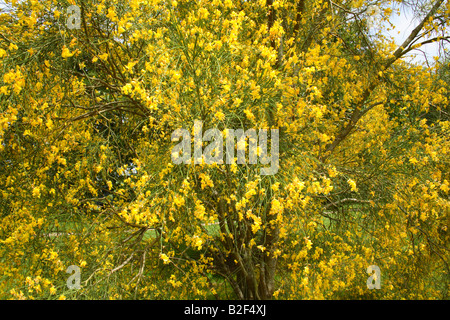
pixel 87 179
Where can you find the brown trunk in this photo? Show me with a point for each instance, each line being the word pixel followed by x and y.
pixel 269 265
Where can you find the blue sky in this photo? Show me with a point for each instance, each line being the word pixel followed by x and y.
pixel 404 24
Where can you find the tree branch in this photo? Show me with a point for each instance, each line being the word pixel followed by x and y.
pixel 357 113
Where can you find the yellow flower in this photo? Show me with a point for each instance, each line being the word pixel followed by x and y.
pixel 352 185
pixel 276 293
pixel 112 15
pixel 66 53
pixel 62 297
pixel 165 258
pixel 277 207
pixel 36 192
pixel 198 242
pixel 275 186
pixel 103 57
pixel 49 124
pixel 12 47
pixel 206 181
pixel 257 224
pixel 249 114
pixel 219 115
pixel 308 244
pixel 217 44
pixel 444 186
pixel 203 13
pixel 332 172
pixel 178 201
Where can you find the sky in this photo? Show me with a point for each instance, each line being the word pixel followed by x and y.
pixel 404 24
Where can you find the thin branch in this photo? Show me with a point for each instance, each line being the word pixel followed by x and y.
pixel 401 50
pixel 357 113
pixel 335 204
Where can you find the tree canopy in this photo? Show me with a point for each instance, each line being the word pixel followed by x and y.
pixel 87 179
